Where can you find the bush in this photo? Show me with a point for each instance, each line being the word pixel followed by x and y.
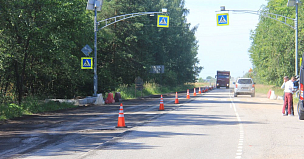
pixel 150 88
pixel 30 105
pixel 10 111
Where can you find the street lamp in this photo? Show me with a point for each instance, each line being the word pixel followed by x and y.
pixel 222 8
pixel 290 3
pixel 96 6
pixel 295 3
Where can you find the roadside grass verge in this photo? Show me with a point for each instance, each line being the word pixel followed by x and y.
pixel 33 105
pixel 260 88
pixel 128 92
pixel 30 105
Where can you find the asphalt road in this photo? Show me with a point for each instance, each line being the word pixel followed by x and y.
pixel 210 125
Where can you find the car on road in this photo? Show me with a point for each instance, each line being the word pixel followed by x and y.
pixel 244 86
pixel 301 94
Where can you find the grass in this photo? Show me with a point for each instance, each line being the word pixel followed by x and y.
pixel 128 92
pixel 32 105
pixel 29 106
pixel 260 88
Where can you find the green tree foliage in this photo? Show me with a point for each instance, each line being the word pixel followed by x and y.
pixel 40 43
pixel 273 44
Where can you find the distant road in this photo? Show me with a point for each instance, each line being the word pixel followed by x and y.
pixel 211 125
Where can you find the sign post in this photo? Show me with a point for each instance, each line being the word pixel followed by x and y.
pixel 222 19
pixel 163 21
pixel 86 50
pixel 139 85
pixel 96 5
pixel 87 63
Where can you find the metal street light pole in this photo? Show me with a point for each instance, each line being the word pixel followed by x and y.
pixel 96 6
pixel 95 53
pixel 296 38
pixel 290 3
pixel 295 3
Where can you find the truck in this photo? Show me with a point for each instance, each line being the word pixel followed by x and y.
pixel 222 79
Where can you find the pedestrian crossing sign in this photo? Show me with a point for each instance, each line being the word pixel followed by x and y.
pixel 222 19
pixel 87 63
pixel 163 21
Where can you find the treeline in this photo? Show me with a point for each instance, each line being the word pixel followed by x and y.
pixel 41 42
pixel 273 44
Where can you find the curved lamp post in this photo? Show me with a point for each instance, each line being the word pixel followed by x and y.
pixel 96 5
pixel 291 3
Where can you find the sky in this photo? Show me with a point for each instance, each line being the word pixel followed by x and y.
pixel 223 47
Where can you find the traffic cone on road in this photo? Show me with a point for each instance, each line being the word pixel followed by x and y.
pixel 188 95
pixel 269 94
pixel 176 99
pixel 161 105
pixel 121 118
pixel 199 90
pixel 194 92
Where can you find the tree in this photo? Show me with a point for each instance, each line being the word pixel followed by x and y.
pixel 40 43
pixel 40 40
pixel 272 50
pixel 209 77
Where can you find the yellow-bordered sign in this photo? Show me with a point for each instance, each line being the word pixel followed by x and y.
pixel 86 62
pixel 222 19
pixel 163 21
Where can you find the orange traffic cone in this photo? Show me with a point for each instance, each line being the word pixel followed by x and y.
pixel 176 99
pixel 194 92
pixel 269 94
pixel 199 90
pixel 161 105
pixel 188 96
pixel 121 118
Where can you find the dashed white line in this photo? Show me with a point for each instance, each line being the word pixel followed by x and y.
pixel 241 139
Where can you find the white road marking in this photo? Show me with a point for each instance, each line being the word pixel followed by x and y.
pixel 241 139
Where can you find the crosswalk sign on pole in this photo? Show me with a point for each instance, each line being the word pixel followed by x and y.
pixel 163 21
pixel 87 63
pixel 222 19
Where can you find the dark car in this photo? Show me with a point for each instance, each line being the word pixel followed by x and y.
pixel 301 94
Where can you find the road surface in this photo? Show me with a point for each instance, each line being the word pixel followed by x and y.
pixel 210 125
